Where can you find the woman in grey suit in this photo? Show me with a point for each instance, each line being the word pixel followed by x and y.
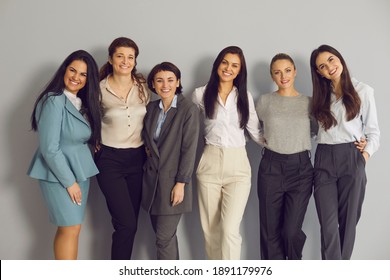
pixel 171 128
pixel 66 116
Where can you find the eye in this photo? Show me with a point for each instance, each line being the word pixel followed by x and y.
pixel 84 74
pixel 288 70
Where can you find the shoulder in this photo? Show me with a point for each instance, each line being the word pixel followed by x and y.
pixel 185 103
pixel 152 104
pixel 362 88
pixel 197 96
pixel 199 91
pixel 265 98
pixel 56 99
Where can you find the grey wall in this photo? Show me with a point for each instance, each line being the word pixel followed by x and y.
pixel 37 35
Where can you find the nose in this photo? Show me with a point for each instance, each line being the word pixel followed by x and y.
pixel 75 76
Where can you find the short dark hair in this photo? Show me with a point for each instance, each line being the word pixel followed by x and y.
pixel 164 66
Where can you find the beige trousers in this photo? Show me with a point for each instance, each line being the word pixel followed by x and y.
pixel 224 183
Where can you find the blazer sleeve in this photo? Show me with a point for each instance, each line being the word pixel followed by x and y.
pixel 189 145
pixel 49 133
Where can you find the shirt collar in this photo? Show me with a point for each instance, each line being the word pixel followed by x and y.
pixel 173 104
pixel 76 101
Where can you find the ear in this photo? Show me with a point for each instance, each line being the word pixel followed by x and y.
pixel 110 60
pixel 178 83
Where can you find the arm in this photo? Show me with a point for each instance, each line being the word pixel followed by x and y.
pixel 253 126
pixel 187 154
pixel 370 124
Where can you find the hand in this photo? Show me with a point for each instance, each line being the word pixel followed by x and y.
pixel 97 147
pixel 177 194
pixel 361 144
pixel 74 192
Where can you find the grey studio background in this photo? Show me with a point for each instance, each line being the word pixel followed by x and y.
pixel 35 37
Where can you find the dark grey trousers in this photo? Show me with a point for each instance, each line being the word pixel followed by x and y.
pixel 165 227
pixel 285 185
pixel 339 187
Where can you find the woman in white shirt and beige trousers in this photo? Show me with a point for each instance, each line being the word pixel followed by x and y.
pixel 224 172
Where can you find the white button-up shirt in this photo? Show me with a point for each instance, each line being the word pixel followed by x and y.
pixel 224 129
pixel 364 125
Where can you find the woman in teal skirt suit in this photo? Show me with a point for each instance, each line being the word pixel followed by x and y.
pixel 67 118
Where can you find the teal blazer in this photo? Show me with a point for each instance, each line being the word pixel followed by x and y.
pixel 63 154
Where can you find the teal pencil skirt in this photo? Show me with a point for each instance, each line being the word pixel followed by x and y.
pixel 62 210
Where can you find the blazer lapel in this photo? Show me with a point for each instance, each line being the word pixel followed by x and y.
pixel 151 127
pixel 72 109
pixel 168 122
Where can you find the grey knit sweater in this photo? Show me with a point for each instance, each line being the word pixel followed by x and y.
pixel 286 122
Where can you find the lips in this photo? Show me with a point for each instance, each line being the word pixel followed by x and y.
pixel 75 83
pixel 333 71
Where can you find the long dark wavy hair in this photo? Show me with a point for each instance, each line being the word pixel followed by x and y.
pixel 107 69
pixel 240 82
pixel 322 90
pixel 90 94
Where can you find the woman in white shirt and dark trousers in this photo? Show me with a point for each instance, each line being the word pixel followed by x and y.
pixel 345 110
pixel 224 172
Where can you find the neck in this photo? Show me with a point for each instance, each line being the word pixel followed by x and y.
pixel 121 81
pixel 287 91
pixel 167 102
pixel 336 86
pixel 225 88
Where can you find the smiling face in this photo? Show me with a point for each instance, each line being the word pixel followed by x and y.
pixel 329 66
pixel 123 61
pixel 75 76
pixel 283 73
pixel 165 84
pixel 229 67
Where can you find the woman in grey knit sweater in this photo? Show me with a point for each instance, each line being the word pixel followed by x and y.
pixel 285 175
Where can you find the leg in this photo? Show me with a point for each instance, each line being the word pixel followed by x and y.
pixel 299 184
pixel 209 197
pixel 121 183
pixel 326 200
pixel 351 195
pixel 271 200
pixel 165 227
pixel 235 193
pixel 66 242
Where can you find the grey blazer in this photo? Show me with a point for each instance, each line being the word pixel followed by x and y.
pixel 172 158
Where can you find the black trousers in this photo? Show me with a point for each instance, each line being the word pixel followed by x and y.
pixel 285 185
pixel 120 180
pixel 339 187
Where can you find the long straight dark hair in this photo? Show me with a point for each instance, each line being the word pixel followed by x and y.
pixel 90 94
pixel 107 69
pixel 322 90
pixel 240 82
